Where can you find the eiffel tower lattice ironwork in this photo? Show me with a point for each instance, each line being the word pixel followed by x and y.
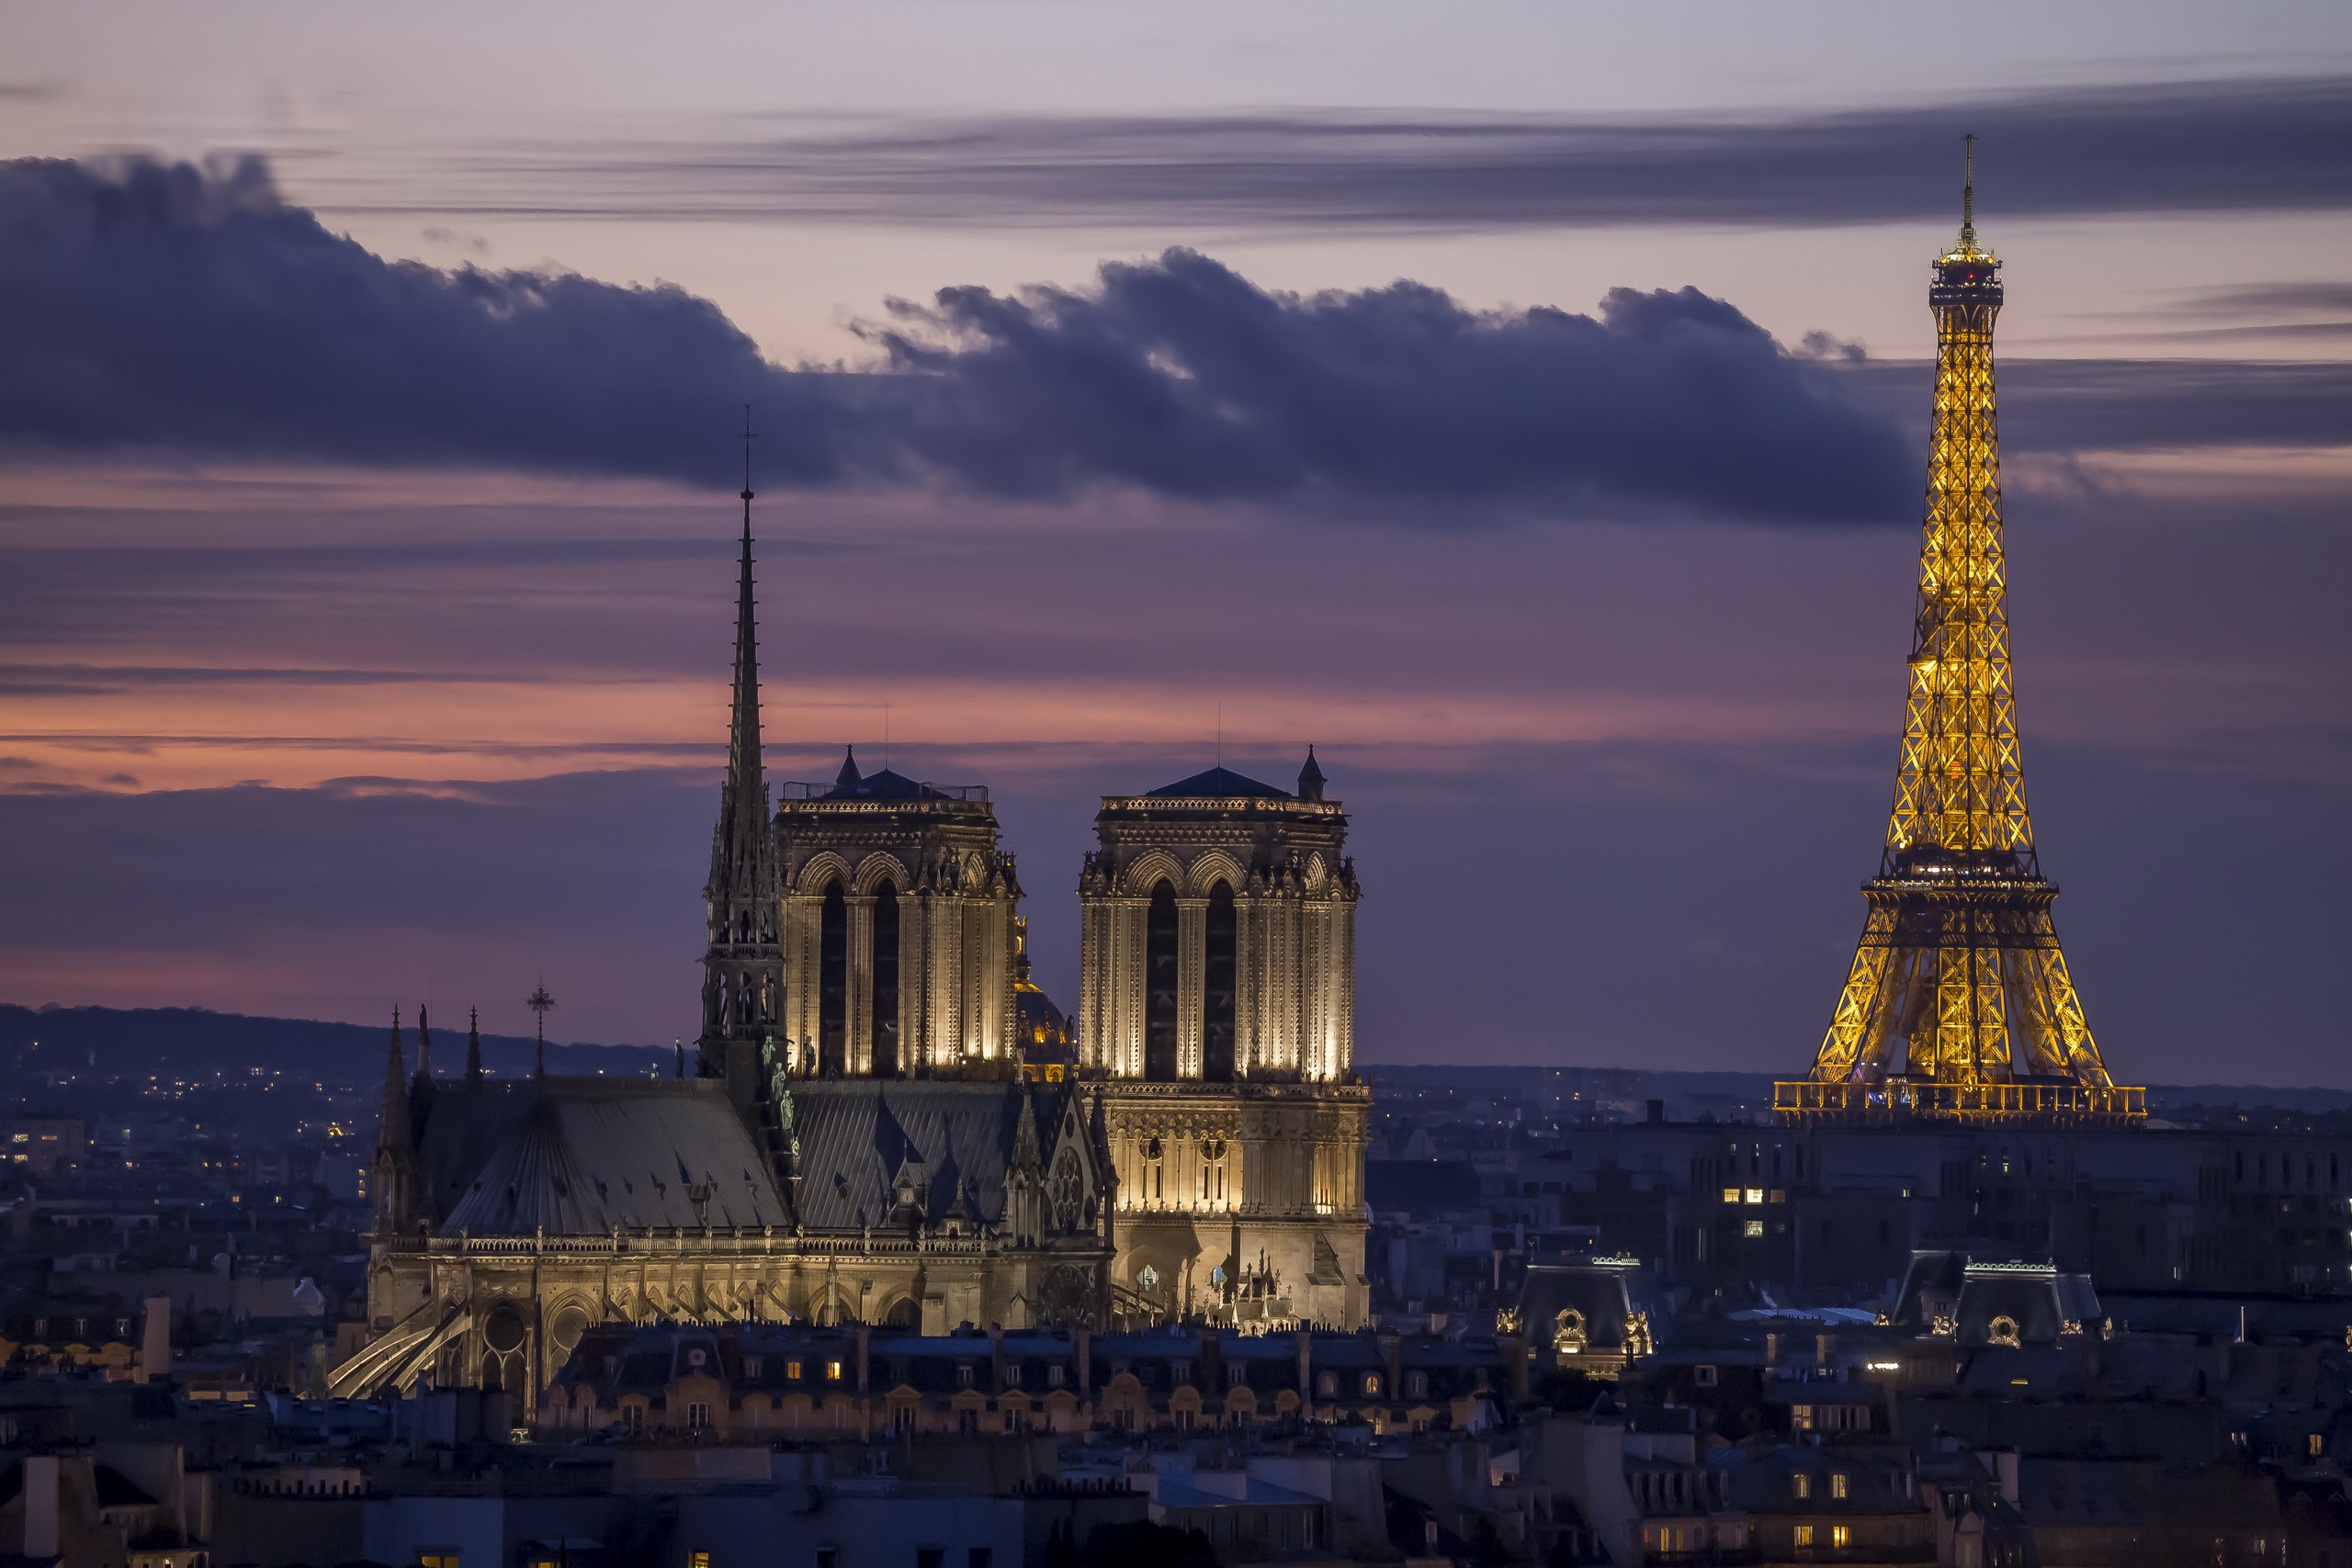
pixel 1959 1004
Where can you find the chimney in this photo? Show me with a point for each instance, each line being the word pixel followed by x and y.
pixel 155 1338
pixel 40 1489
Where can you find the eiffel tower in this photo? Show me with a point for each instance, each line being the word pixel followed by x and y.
pixel 1959 1005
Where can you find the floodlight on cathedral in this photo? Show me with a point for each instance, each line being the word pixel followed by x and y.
pixel 1959 1004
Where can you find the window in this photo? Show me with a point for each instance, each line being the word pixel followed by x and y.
pixel 697 1416
pixel 1840 1537
pixel 1804 1537
pixel 1731 1194
pixel 1837 1484
pixel 697 1560
pixel 1327 1385
pixel 1801 1419
pixel 828 1557
pixel 792 1371
pixel 439 1557
pixel 633 1418
pixel 1754 1195
pixel 1013 1374
pixel 1217 990
pixel 1780 1195
pixel 963 1374
pixel 2315 1445
pixel 833 1371
pixel 1800 1486
pixel 1372 1385
pixel 751 1366
pixel 833 983
pixel 1704 1374
pixel 1754 1227
pixel 883 1005
pixel 1417 1385
pixel 930 1557
pixel 1160 988
pixel 1054 1375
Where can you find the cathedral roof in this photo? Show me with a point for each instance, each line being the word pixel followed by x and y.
pixel 857 1135
pixel 851 784
pixel 580 1156
pixel 1220 782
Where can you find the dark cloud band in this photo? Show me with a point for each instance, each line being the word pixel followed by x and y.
pixel 2245 145
pixel 179 307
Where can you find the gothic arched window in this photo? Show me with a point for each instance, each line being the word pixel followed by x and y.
pixel 1161 970
pixel 832 984
pixel 883 1007
pixel 1217 976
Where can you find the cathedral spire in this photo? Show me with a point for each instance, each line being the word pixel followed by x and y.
pixel 744 782
pixel 423 1046
pixel 473 1044
pixel 394 1132
pixel 744 966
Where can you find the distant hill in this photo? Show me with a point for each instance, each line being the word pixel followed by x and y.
pixel 192 1043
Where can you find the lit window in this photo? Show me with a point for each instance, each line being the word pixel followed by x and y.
pixel 1731 1194
pixel 1837 1484
pixel 1800 1486
pixel 1840 1537
pixel 833 1371
pixel 792 1371
pixel 1755 1227
pixel 1372 1385
pixel 1804 1537
pixel 1754 1195
pixel 1800 1418
pixel 1780 1195
pixel 2315 1445
pixel 697 1560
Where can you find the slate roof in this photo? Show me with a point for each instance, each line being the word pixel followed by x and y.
pixel 585 1154
pixel 1219 783
pixel 855 1134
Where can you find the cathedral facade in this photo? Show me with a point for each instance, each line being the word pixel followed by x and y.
pixel 887 1121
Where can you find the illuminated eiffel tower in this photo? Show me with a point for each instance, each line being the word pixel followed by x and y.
pixel 1959 1004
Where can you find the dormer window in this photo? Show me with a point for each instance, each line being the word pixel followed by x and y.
pixel 1327 1385
pixel 1013 1374
pixel 963 1374
pixel 1054 1375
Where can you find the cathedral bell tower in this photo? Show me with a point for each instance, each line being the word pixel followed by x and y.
pixel 1217 1012
pixel 742 990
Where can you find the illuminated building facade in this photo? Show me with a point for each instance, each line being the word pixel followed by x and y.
pixel 1959 1003
pixel 1218 986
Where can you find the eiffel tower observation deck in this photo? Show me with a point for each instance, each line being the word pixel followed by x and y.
pixel 1959 1005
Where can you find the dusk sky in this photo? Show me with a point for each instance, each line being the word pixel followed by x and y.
pixel 1522 403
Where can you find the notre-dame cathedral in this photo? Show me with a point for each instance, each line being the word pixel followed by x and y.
pixel 887 1121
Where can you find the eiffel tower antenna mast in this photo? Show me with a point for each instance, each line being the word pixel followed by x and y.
pixel 1959 1004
